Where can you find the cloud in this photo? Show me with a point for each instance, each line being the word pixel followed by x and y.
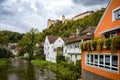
pixel 1 1
pixel 90 2
pixel 22 15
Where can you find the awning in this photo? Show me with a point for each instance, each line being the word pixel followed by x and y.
pixel 115 28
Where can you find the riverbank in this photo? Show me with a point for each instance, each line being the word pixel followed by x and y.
pixel 4 61
pixel 65 70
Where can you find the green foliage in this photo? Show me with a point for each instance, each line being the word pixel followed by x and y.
pixel 65 29
pixel 65 70
pixel 116 42
pixel 60 58
pixel 112 44
pixel 28 42
pixel 39 55
pixel 100 43
pixel 4 52
pixel 4 61
pixel 9 37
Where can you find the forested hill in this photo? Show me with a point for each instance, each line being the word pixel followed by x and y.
pixel 9 37
pixel 66 29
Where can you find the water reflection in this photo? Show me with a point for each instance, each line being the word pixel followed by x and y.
pixel 23 70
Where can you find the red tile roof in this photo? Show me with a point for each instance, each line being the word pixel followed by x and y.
pixel 52 38
pixel 65 39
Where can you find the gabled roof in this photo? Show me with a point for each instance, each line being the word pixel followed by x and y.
pixel 106 23
pixel 90 29
pixel 83 35
pixel 65 39
pixel 78 39
pixel 52 39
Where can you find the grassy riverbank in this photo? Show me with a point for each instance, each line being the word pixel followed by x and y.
pixel 65 70
pixel 4 61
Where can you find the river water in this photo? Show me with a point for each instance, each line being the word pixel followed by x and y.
pixel 24 70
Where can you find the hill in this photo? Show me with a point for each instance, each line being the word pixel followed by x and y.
pixel 65 29
pixel 9 37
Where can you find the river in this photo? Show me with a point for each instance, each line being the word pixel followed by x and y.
pixel 24 70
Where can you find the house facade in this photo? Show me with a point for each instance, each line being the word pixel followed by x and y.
pixel 72 50
pixel 51 45
pixel 72 46
pixel 13 48
pixel 104 64
pixel 82 15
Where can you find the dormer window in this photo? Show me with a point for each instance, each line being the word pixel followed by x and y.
pixel 116 14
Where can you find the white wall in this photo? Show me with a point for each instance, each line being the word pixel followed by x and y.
pixel 49 49
pixel 58 43
pixel 73 52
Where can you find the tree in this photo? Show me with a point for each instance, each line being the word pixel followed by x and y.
pixel 65 29
pixel 4 52
pixel 28 42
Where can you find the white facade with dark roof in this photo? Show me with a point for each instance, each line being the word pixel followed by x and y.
pixel 72 47
pixel 51 46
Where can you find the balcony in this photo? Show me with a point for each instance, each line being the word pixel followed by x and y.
pixel 73 50
pixel 112 44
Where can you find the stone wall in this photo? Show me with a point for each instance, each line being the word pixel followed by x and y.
pixel 86 75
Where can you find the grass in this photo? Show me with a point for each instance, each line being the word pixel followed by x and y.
pixel 66 71
pixel 4 61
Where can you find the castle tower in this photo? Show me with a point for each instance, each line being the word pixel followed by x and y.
pixel 63 19
pixel 48 23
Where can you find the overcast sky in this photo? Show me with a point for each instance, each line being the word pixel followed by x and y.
pixel 22 15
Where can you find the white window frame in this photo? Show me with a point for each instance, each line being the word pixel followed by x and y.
pixel 99 65
pixel 113 14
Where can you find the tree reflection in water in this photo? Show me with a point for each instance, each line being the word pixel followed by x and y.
pixel 24 70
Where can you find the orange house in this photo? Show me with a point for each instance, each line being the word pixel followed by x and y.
pixel 109 25
pixel 104 65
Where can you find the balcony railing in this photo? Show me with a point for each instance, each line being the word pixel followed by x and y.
pixel 112 44
pixel 73 50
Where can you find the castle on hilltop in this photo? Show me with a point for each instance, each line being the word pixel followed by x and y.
pixel 52 22
pixel 79 16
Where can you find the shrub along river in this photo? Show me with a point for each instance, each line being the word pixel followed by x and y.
pixel 24 70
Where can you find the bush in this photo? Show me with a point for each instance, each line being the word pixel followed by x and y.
pixel 4 52
pixel 60 58
pixel 100 44
pixel 65 70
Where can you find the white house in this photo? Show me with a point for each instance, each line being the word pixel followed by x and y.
pixel 72 46
pixel 72 49
pixel 52 43
pixel 13 48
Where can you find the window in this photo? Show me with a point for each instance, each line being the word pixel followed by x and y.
pixel 115 62
pixel 107 61
pixel 87 59
pixel 96 60
pixel 116 14
pixel 91 59
pixel 110 34
pixel 103 61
